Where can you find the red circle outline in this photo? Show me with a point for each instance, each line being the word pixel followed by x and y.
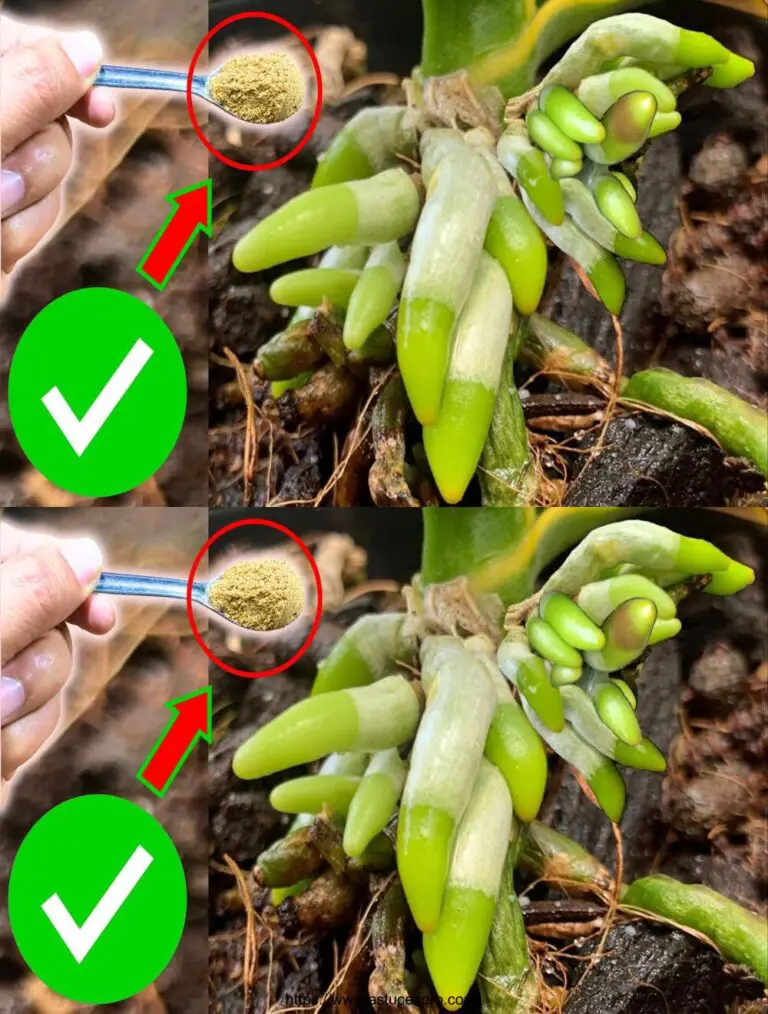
pixel 318 104
pixel 318 613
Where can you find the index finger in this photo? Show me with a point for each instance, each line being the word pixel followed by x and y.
pixel 15 540
pixel 42 79
pixel 15 33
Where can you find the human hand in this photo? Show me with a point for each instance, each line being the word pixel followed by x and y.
pixel 45 77
pixel 45 584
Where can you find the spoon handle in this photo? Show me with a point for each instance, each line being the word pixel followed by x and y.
pixel 155 587
pixel 154 80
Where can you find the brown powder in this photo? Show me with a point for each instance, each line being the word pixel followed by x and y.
pixel 260 595
pixel 260 89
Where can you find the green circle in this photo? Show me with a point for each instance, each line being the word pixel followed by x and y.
pixel 76 852
pixel 75 346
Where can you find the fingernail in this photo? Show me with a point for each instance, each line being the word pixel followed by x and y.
pixel 84 50
pixel 12 191
pixel 12 698
pixel 84 557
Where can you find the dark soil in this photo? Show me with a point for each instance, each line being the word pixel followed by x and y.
pixel 703 315
pixel 702 700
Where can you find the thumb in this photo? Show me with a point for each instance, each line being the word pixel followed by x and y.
pixel 41 80
pixel 41 588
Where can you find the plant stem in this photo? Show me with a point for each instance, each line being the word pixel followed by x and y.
pixel 738 933
pixel 512 571
pixel 556 858
pixel 388 929
pixel 507 980
pixel 512 64
pixel 458 539
pixel 504 42
pixel 739 427
pixel 507 473
pixel 503 551
pixel 458 32
pixel 560 353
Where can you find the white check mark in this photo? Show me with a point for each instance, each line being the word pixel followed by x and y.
pixel 80 432
pixel 80 939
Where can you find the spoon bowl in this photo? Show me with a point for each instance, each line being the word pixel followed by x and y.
pixel 148 586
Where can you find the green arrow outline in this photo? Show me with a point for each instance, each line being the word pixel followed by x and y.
pixel 206 229
pixel 206 736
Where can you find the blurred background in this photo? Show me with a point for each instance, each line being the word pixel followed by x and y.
pixel 113 713
pixel 391 31
pixel 115 203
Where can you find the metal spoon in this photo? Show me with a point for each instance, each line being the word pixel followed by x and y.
pixel 160 81
pixel 159 587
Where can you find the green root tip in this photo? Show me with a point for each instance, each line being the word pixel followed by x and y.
pixel 571 116
pixel 533 681
pixel 697 556
pixel 731 580
pixel 424 331
pixel 545 193
pixel 562 675
pixel 731 73
pixel 545 640
pixel 664 630
pixel 627 123
pixel 618 207
pixel 627 631
pixel 544 132
pixel 608 787
pixel 561 168
pixel 424 842
pixel 344 161
pixel 627 691
pixel 313 793
pixel 646 249
pixel 279 894
pixel 645 757
pixel 307 731
pixel 663 123
pixel 571 623
pixel 608 280
pixel 315 286
pixel 697 49
pixel 616 713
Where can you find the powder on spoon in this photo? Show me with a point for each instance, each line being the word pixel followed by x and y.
pixel 266 88
pixel 260 595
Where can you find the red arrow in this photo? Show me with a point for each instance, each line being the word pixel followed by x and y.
pixel 192 213
pixel 192 720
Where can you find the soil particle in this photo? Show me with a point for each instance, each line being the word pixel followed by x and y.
pixel 330 902
pixel 720 164
pixel 715 779
pixel 724 290
pixel 717 679
pixel 650 969
pixel 242 821
pixel 710 801
pixel 650 462
pixel 329 396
